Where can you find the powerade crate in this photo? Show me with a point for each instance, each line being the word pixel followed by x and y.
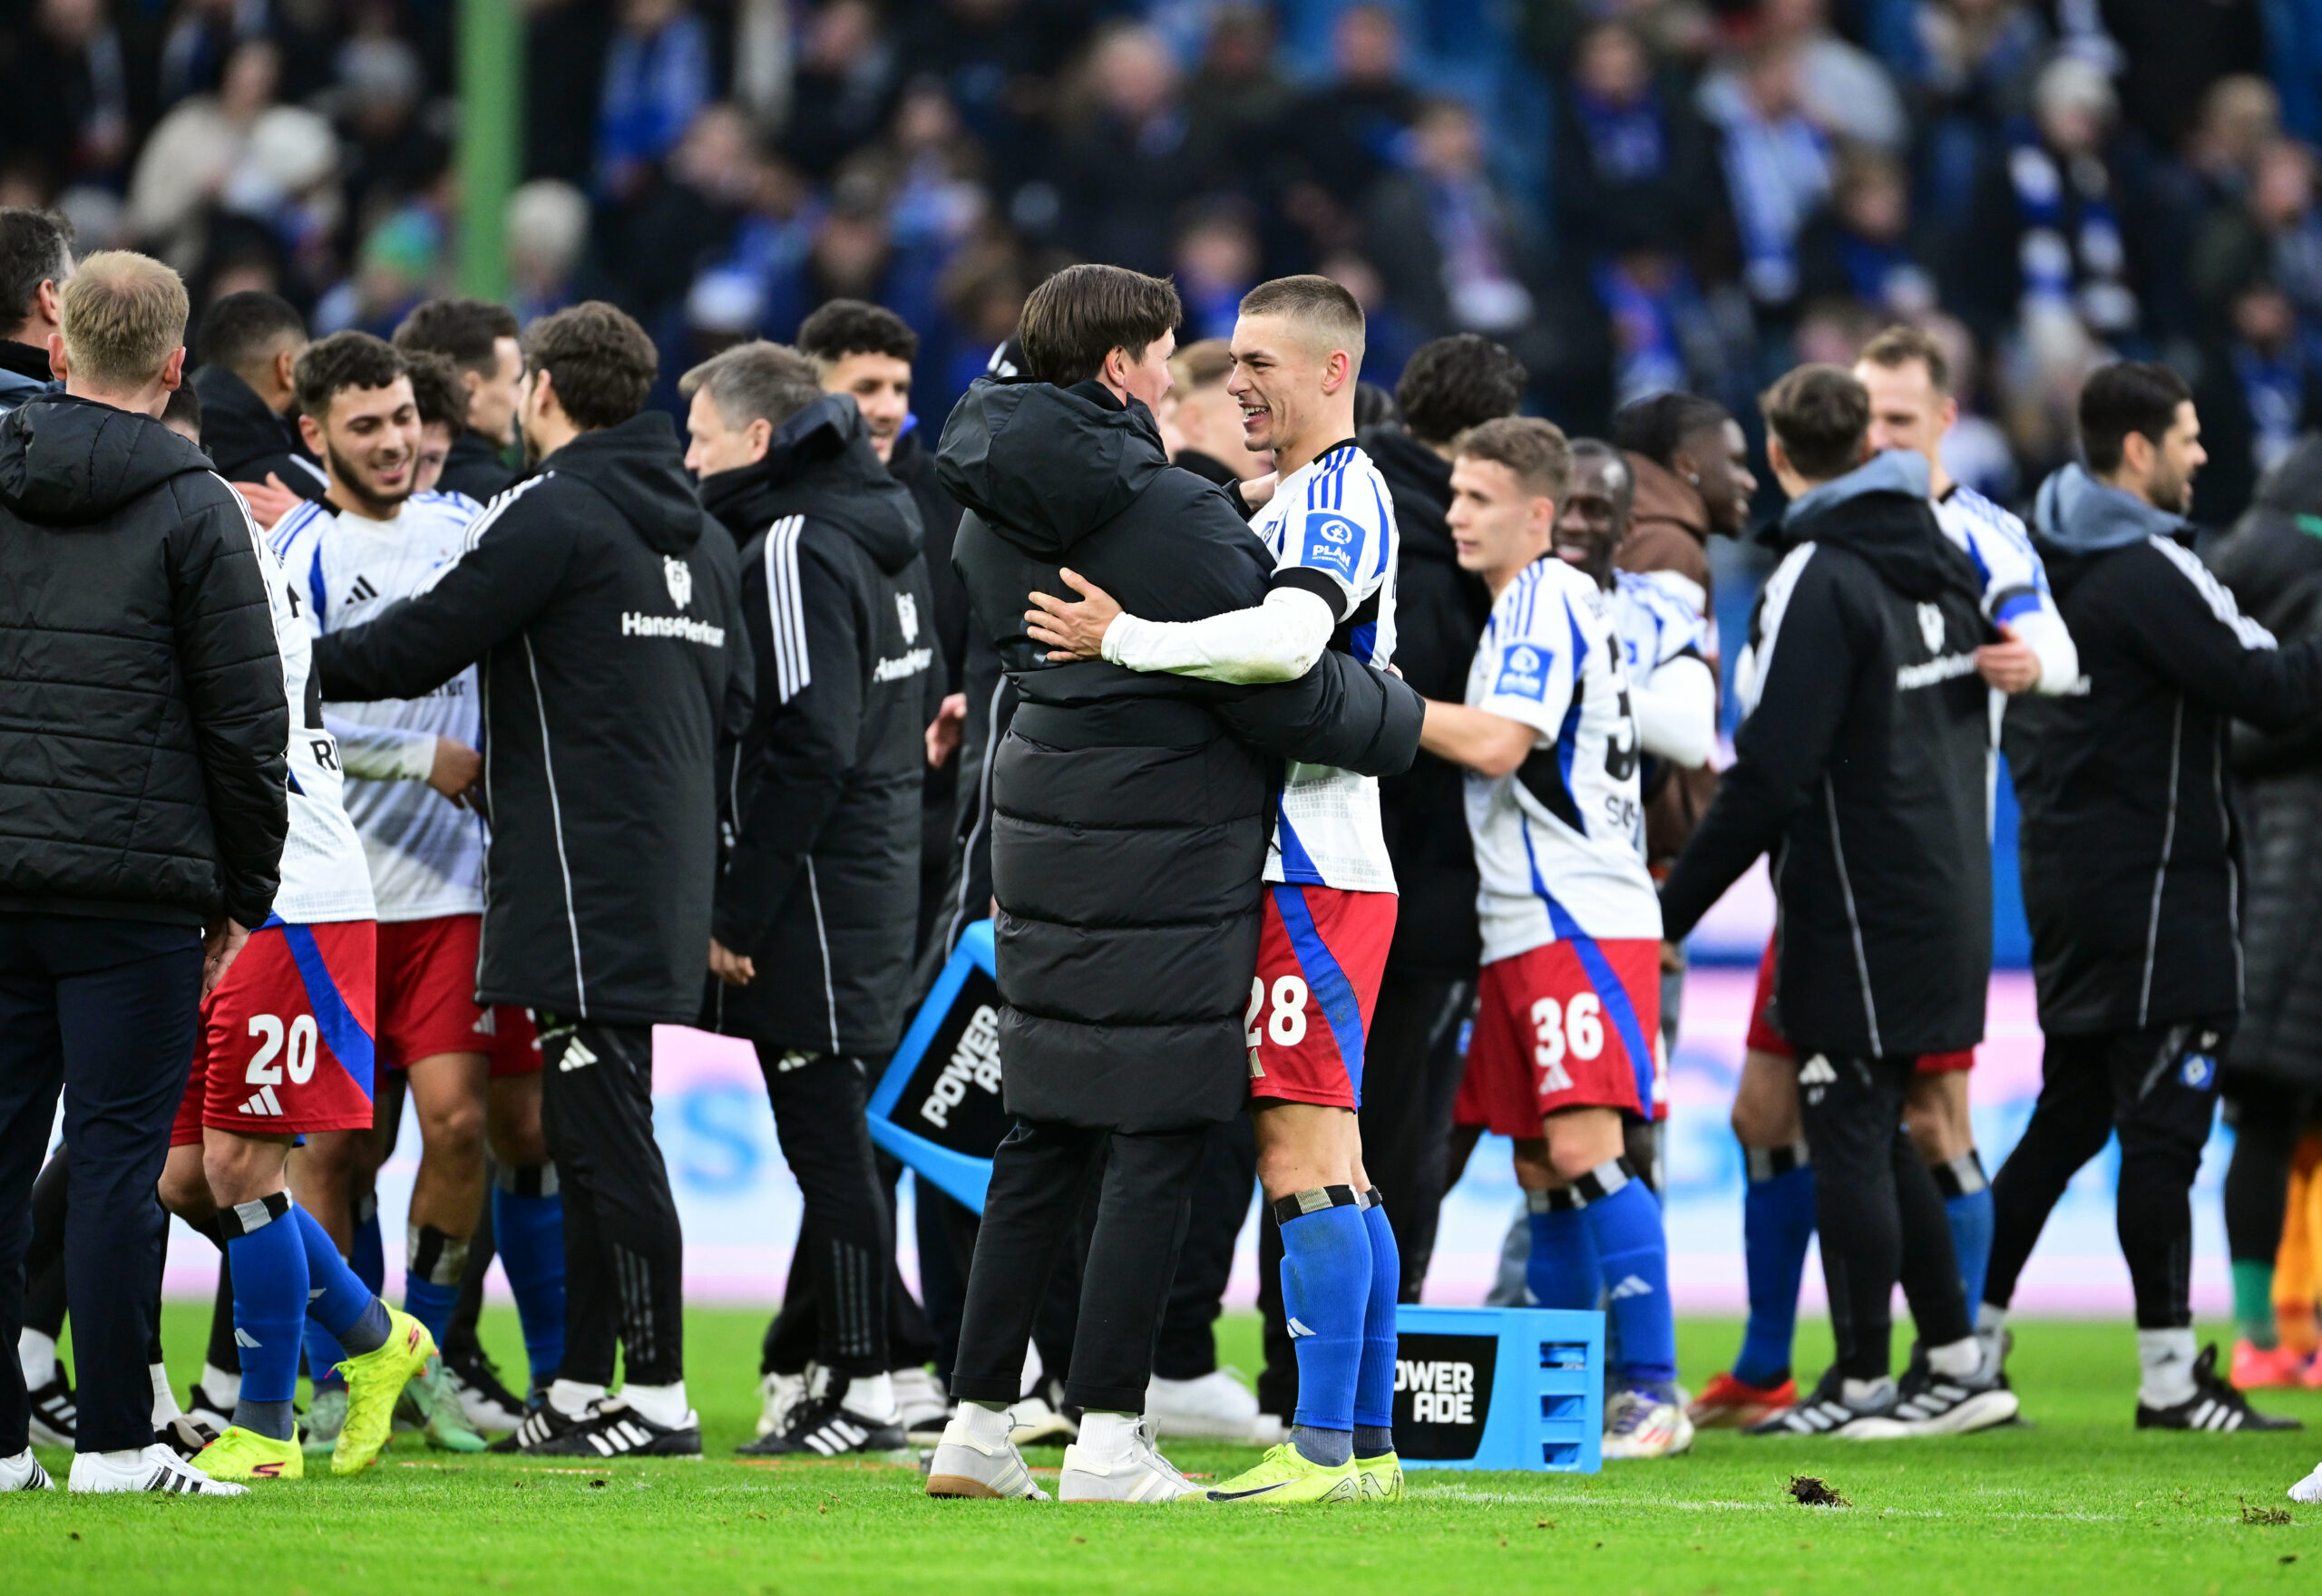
pixel 1499 1389
pixel 937 1107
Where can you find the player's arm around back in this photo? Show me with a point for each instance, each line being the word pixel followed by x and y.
pixel 232 668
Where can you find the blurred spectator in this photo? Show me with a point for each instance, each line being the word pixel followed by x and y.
pixel 1859 244
pixel 548 229
pixel 1777 169
pixel 35 257
pixel 565 46
pixel 390 152
pixel 1237 97
pixel 1975 451
pixel 195 151
pixel 1389 335
pixel 1000 60
pixel 2049 241
pixel 1842 88
pixel 1217 264
pixel 852 247
pixel 2172 52
pixel 1977 59
pixel 2274 234
pixel 1127 161
pixel 1664 336
pixel 1207 419
pixel 1350 132
pixel 843 88
pixel 398 266
pixel 1448 245
pixel 2240 115
pixel 64 89
pixel 687 217
pixel 657 79
pixel 1634 159
pixel 2259 385
pixel 930 171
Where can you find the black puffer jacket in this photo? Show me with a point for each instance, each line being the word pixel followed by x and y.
pixel 823 879
pixel 1130 811
pixel 249 440
pixel 603 605
pixel 2133 864
pixel 1861 770
pixel 1439 612
pixel 2273 565
pixel 142 773
pixel 476 467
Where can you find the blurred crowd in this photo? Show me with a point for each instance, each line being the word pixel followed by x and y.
pixel 1633 195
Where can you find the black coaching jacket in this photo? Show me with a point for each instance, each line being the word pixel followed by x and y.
pixel 823 887
pixel 1861 770
pixel 1130 811
pixel 142 773
pixel 601 605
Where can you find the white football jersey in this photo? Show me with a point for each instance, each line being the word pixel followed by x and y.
pixel 1559 841
pixel 1334 518
pixel 426 853
pixel 1655 623
pixel 325 878
pixel 2013 579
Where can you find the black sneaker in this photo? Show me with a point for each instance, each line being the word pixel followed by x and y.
pixel 1829 1413
pixel 541 1425
pixel 205 1410
pixel 55 1417
pixel 185 1436
pixel 821 1427
pixel 488 1403
pixel 615 1429
pixel 1938 1404
pixel 2214 1405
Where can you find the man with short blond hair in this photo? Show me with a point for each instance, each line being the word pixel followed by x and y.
pixel 142 658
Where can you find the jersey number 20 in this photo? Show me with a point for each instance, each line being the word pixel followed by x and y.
pixel 299 1057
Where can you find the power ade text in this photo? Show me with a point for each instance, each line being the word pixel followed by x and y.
pixel 1442 1393
pixel 976 1060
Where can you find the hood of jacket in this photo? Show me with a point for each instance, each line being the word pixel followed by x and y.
pixel 2081 515
pixel 1419 478
pixel 1880 513
pixel 66 462
pixel 1046 466
pixel 637 465
pixel 1662 495
pixel 823 450
pixel 23 365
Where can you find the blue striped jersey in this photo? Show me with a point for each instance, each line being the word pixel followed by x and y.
pixel 2013 579
pixel 1333 520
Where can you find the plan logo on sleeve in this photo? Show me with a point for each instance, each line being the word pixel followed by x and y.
pixel 1522 673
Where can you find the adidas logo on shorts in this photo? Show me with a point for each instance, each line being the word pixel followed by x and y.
pixel 1632 1287
pixel 576 1053
pixel 263 1103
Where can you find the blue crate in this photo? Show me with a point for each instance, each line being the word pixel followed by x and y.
pixel 947 1067
pixel 1500 1388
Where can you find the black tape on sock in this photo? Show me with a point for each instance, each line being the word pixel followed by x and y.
pixel 244 1218
pixel 1959 1177
pixel 1766 1164
pixel 1595 1186
pixel 1314 1200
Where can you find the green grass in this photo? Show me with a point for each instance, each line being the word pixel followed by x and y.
pixel 2079 1502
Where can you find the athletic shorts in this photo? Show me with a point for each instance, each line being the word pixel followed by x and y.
pixel 427 998
pixel 1764 1039
pixel 1321 955
pixel 1565 1025
pixel 286 1043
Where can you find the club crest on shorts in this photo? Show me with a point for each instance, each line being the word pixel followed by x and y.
pixel 679 576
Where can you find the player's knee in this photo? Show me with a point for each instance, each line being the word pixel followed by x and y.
pixel 184 1187
pixel 236 1170
pixel 1582 1140
pixel 453 1128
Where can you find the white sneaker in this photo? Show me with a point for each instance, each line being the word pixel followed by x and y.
pixel 1639 1425
pixel 1216 1406
pixel 2308 1489
pixel 24 1472
pixel 1269 1430
pixel 922 1405
pixel 1033 1423
pixel 156 1469
pixel 778 1395
pixel 985 1467
pixel 1136 1472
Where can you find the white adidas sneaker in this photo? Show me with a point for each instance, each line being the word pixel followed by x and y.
pixel 922 1405
pixel 24 1472
pixel 1130 1469
pixel 1034 1422
pixel 2308 1489
pixel 156 1469
pixel 777 1396
pixel 1217 1406
pixel 976 1459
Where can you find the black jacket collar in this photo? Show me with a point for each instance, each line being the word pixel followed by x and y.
pixel 25 360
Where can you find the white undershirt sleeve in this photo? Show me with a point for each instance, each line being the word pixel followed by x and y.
pixel 1276 641
pixel 2045 630
pixel 1675 711
pixel 382 753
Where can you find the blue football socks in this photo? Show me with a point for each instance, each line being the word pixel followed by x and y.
pixel 1374 1382
pixel 1968 1204
pixel 1325 1289
pixel 368 1257
pixel 1561 1270
pixel 349 1313
pixel 1623 1221
pixel 270 1272
pixel 434 1263
pixel 528 1228
pixel 1777 1226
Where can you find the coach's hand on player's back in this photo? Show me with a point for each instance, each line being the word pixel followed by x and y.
pixel 222 944
pixel 1072 631
pixel 736 969
pixel 457 769
pixel 268 500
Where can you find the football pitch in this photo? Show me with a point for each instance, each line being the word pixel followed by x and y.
pixel 2077 1501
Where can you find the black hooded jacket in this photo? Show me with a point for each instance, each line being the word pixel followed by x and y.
pixel 1131 811
pixel 1440 613
pixel 1862 770
pixel 2132 846
pixel 143 773
pixel 247 440
pixel 822 886
pixel 601 607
